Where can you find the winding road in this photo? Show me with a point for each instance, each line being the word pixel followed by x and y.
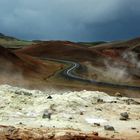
pixel 71 74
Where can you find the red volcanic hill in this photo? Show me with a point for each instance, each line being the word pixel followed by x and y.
pixel 62 50
pixel 120 44
pixel 77 52
pixel 18 67
pixel 117 49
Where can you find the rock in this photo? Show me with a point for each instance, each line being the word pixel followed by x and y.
pixel 113 102
pixel 108 127
pixel 70 118
pixel 81 113
pixel 46 114
pixel 20 123
pixel 133 128
pixel 97 124
pixel 49 97
pixel 100 100
pixel 99 109
pixel 95 133
pixel 125 115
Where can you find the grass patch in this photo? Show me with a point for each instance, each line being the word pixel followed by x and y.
pixel 13 43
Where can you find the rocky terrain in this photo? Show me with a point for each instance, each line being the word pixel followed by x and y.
pixel 29 114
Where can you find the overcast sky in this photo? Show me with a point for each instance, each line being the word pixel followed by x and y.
pixel 75 20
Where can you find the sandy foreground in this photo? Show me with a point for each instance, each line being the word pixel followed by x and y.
pixel 84 112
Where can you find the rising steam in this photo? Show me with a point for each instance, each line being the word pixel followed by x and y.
pixel 132 57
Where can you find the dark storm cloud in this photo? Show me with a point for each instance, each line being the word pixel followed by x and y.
pixel 70 19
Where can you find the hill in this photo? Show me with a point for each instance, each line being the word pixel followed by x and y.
pixel 120 46
pixel 62 50
pixel 19 68
pixel 102 61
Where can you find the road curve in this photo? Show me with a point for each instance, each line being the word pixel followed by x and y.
pixel 70 73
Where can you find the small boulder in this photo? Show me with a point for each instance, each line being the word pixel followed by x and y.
pixel 100 100
pixel 125 115
pixel 70 118
pixel 97 124
pixel 81 113
pixel 49 97
pixel 46 114
pixel 108 127
pixel 133 128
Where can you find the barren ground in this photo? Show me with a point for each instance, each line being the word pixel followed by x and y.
pixel 84 111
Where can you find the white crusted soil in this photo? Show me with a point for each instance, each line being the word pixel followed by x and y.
pixel 76 110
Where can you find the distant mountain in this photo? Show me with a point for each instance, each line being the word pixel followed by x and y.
pixel 12 42
pixel 7 37
pixel 1 34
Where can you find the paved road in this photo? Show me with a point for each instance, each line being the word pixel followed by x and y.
pixel 71 74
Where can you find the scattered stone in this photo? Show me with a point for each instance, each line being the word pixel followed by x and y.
pixel 49 97
pixel 113 102
pixel 125 115
pixel 133 128
pixel 46 114
pixel 95 133
pixel 108 127
pixel 97 124
pixel 99 109
pixel 70 118
pixel 20 123
pixel 81 113
pixel 100 100
pixel 17 92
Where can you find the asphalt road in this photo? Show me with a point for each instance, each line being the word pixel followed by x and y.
pixel 71 74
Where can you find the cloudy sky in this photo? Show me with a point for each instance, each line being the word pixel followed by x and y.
pixel 75 20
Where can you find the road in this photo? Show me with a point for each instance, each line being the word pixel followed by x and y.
pixel 71 74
